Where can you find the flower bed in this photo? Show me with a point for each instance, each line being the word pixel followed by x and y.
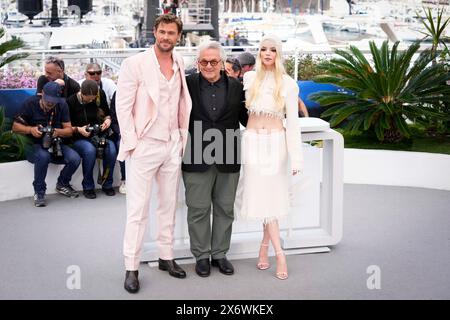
pixel 18 80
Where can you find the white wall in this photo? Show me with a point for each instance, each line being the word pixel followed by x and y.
pixel 378 167
pixel 16 179
pixel 397 168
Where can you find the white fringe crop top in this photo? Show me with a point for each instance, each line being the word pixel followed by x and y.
pixel 264 104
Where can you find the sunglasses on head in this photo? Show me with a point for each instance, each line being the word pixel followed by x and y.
pixel 58 62
pixel 93 73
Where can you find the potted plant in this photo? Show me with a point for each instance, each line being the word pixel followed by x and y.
pixel 383 94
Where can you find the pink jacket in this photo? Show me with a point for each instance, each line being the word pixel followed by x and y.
pixel 137 100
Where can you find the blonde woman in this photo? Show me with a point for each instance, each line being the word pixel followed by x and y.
pixel 271 96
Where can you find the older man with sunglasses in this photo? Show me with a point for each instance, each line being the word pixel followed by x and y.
pixel 212 177
pixel 94 72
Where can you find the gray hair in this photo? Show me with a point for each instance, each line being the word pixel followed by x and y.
pixel 211 45
pixel 56 61
pixel 94 65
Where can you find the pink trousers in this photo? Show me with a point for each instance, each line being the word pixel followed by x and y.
pixel 161 161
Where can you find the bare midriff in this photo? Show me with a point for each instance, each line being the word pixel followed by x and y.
pixel 264 124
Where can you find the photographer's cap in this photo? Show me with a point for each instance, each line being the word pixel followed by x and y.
pixel 52 92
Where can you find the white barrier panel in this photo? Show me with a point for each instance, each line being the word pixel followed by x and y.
pixel 16 179
pixel 397 168
pixel 315 219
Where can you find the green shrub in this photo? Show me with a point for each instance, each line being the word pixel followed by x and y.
pixel 308 66
pixel 12 145
pixel 385 93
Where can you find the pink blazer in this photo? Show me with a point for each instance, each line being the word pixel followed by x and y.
pixel 137 100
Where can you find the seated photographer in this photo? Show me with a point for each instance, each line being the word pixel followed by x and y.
pixel 91 120
pixel 55 71
pixel 47 120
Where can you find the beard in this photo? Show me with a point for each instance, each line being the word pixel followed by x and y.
pixel 161 48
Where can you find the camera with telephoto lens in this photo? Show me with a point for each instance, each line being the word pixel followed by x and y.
pixel 98 139
pixel 49 142
pixel 47 136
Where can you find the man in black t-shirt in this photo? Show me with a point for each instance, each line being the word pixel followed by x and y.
pixel 54 71
pixel 48 112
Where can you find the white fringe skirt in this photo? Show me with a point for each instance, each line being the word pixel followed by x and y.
pixel 265 182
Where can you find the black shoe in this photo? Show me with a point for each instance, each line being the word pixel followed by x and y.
pixel 67 191
pixel 109 191
pixel 203 268
pixel 89 194
pixel 173 268
pixel 224 265
pixel 131 281
pixel 39 200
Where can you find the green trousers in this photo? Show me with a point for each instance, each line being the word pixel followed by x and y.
pixel 204 189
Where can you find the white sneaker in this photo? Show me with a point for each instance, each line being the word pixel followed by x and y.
pixel 123 188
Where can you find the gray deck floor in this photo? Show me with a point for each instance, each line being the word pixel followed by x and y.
pixel 403 231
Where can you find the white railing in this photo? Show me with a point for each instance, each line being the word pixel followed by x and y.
pixel 113 58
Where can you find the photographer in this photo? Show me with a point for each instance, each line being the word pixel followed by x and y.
pixel 91 120
pixel 55 71
pixel 47 119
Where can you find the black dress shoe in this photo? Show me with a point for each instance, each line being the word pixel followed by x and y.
pixel 224 265
pixel 109 191
pixel 89 194
pixel 173 268
pixel 203 268
pixel 131 281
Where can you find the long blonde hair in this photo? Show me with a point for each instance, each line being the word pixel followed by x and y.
pixel 261 72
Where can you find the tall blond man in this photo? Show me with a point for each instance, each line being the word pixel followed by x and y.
pixel 153 109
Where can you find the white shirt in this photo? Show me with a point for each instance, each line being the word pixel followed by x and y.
pixel 166 126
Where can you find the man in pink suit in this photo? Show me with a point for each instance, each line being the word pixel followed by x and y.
pixel 153 108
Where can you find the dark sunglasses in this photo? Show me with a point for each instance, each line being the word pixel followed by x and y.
pixel 93 73
pixel 213 63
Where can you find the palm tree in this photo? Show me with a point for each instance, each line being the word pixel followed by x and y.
pixel 435 30
pixel 13 44
pixel 383 95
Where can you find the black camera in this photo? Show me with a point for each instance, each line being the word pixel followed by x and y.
pixel 49 142
pixel 98 139
pixel 47 136
pixel 95 129
pixel 56 147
